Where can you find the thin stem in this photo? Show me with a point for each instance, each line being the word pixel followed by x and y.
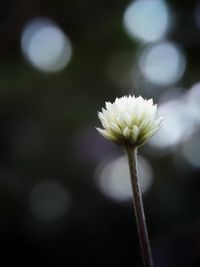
pixel 138 208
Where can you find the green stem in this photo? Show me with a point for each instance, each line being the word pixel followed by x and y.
pixel 138 208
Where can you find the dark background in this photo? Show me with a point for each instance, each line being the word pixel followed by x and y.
pixel 52 209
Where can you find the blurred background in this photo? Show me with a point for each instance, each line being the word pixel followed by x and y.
pixel 65 196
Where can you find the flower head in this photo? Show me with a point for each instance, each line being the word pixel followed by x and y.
pixel 129 120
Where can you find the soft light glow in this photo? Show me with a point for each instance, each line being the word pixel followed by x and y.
pixel 119 68
pixel 49 201
pixel 178 125
pixel 162 64
pixel 113 178
pixel 45 45
pixel 172 93
pixel 191 151
pixel 194 101
pixel 147 20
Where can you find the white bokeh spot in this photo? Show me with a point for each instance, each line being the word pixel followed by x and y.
pixel 113 178
pixel 162 64
pixel 45 45
pixel 147 20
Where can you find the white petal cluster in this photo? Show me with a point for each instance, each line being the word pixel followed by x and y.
pixel 129 120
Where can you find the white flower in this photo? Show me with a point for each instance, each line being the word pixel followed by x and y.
pixel 129 120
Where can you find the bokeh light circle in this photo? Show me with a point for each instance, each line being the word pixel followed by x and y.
pixel 45 45
pixel 49 201
pixel 191 151
pixel 113 178
pixel 147 20
pixel 178 125
pixel 162 64
pixel 194 101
